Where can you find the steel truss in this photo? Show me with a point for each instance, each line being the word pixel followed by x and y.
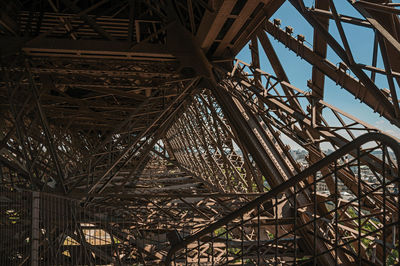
pixel 129 135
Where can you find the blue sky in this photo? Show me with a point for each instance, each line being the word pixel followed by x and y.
pixel 299 71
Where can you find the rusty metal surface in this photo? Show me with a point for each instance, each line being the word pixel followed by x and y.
pixel 141 104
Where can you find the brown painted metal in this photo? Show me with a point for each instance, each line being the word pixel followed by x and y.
pixel 329 160
pixel 140 107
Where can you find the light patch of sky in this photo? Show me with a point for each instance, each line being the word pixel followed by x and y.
pixel 361 41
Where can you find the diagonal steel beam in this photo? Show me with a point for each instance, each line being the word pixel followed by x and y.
pixel 373 98
pixel 369 85
pixel 375 23
pixel 92 23
pixel 46 129
pixel 125 157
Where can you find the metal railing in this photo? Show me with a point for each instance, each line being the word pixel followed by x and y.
pixel 38 228
pixel 340 210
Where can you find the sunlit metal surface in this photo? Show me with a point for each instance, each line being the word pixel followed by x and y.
pixel 129 134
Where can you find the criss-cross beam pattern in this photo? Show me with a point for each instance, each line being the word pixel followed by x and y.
pixel 133 120
pixel 278 227
pixel 203 142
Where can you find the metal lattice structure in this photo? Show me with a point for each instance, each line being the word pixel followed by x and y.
pixel 131 135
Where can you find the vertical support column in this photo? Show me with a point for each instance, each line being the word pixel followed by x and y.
pixel 255 59
pixel 35 228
